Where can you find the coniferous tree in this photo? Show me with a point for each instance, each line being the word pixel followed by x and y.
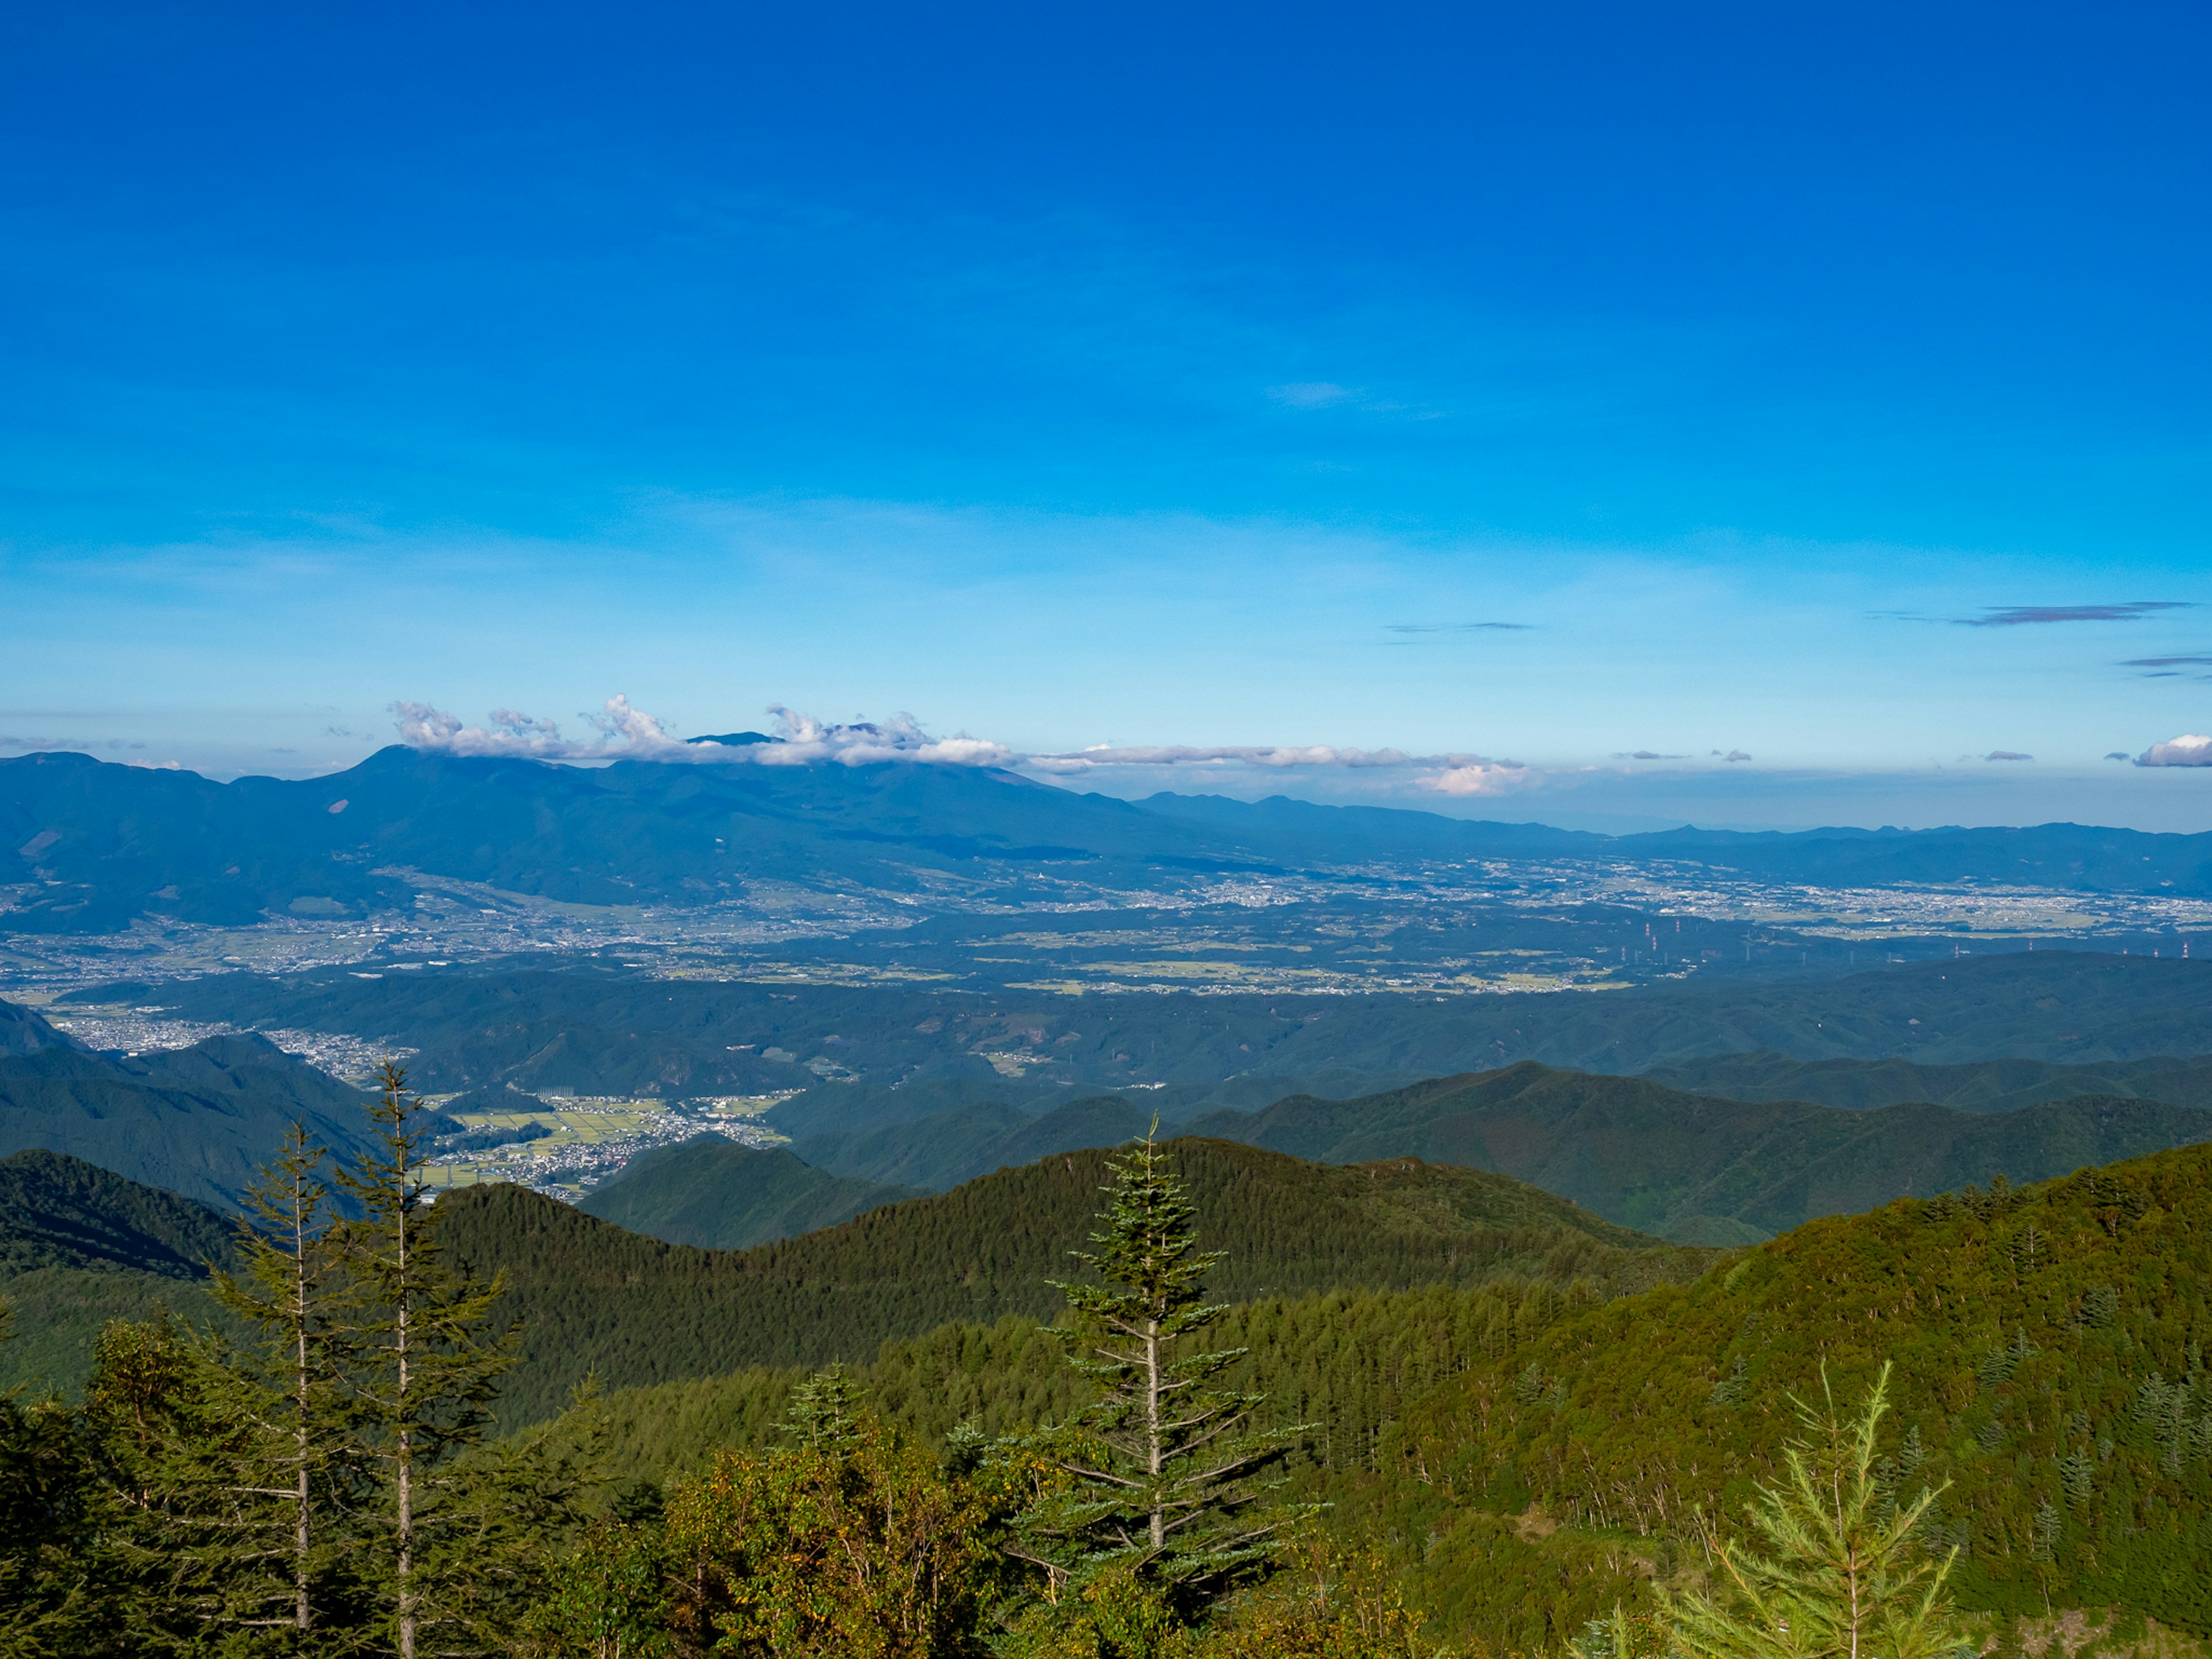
pixel 1156 1484
pixel 1837 1579
pixel 294 1380
pixel 426 1362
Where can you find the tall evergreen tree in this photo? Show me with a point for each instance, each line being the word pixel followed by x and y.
pixel 426 1364
pixel 1157 1482
pixel 1841 1575
pixel 295 1375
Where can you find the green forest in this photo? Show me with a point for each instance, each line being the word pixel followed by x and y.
pixel 1188 1398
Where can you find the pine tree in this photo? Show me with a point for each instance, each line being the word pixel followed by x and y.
pixel 426 1367
pixel 1156 1484
pixel 1839 1580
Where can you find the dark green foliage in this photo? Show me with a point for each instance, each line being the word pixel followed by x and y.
pixel 61 1212
pixel 1156 1473
pixel 943 1150
pixel 1987 1085
pixel 421 1366
pixel 1346 1363
pixel 718 1195
pixel 934 1152
pixel 631 1310
pixel 198 1121
pixel 1829 1565
pixel 1671 1164
pixel 80 1247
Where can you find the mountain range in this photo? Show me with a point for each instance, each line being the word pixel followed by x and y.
pixel 96 846
pixel 199 1121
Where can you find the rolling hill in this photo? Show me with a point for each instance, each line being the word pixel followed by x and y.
pixel 1699 1168
pixel 198 1121
pixel 80 1246
pixel 718 1195
pixel 598 1300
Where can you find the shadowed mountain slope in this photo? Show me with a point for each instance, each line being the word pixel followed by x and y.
pixel 198 1121
pixel 1686 1165
pixel 944 1151
pixel 105 843
pixel 80 1246
pixel 718 1195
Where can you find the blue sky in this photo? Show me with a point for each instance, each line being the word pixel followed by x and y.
pixel 1144 378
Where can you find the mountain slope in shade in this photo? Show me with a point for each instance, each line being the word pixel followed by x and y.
pixel 80 1246
pixel 943 1150
pixel 718 1195
pixel 1991 1085
pixel 602 1302
pixel 198 1121
pixel 1686 1165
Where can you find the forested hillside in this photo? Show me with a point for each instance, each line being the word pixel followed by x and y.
pixel 1698 1167
pixel 1534 1453
pixel 80 1246
pixel 718 1195
pixel 628 1309
pixel 1987 1085
pixel 2049 1345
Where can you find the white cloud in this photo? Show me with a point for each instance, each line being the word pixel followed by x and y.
pixel 1480 778
pixel 2188 749
pixel 629 733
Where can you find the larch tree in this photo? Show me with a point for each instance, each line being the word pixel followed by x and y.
pixel 1838 1572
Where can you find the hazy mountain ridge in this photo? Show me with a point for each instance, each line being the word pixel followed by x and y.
pixel 107 843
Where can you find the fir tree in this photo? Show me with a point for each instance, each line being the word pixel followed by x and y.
pixel 1838 1580
pixel 295 1375
pixel 428 1362
pixel 1157 1484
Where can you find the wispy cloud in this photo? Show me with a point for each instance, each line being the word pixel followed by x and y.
pixel 2017 615
pixel 2025 616
pixel 2007 754
pixel 1459 628
pixel 1309 394
pixel 1648 754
